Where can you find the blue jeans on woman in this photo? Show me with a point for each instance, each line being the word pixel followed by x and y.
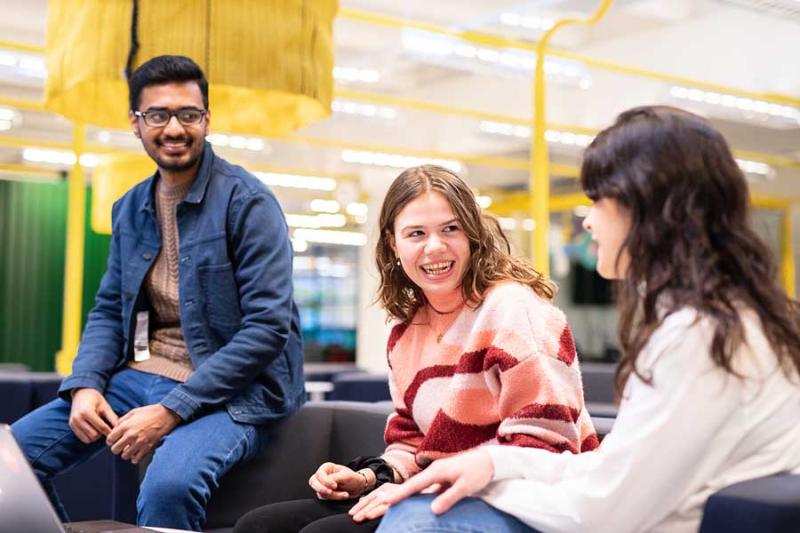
pixel 469 515
pixel 186 466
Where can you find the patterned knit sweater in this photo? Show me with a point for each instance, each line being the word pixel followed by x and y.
pixel 168 354
pixel 505 372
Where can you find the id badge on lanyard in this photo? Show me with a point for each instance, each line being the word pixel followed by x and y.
pixel 141 344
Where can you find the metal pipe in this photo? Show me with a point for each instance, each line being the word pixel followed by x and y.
pixel 74 257
pixel 539 186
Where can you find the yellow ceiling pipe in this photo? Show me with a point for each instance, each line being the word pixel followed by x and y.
pixel 20 47
pixel 19 103
pixel 73 263
pixel 788 271
pixel 539 185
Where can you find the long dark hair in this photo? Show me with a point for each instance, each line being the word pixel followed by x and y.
pixel 490 258
pixel 690 236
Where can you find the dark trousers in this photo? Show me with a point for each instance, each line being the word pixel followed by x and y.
pixel 306 516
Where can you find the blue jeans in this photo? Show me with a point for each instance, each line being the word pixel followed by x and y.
pixel 186 466
pixel 469 515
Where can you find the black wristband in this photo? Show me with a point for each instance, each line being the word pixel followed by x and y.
pixel 384 473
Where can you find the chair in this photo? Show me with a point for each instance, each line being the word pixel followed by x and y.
pixel 765 505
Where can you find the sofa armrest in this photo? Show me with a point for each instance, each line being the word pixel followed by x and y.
pixel 765 505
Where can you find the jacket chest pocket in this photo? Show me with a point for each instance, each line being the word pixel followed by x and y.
pixel 220 297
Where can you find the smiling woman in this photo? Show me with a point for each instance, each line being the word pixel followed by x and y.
pixel 477 355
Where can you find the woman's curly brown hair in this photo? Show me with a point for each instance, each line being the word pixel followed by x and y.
pixel 490 259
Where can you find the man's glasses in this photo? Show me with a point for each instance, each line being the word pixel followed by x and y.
pixel 158 118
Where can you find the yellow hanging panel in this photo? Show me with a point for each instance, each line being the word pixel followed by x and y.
pixel 269 62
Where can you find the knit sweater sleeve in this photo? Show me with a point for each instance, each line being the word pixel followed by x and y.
pixel 532 357
pixel 402 434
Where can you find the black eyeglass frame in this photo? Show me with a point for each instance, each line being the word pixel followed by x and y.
pixel 143 115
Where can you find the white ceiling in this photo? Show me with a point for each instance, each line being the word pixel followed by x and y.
pixel 737 43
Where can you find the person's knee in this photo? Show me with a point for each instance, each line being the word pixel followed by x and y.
pixel 169 487
pixel 414 510
pixel 252 522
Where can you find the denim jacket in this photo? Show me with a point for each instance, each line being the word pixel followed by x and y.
pixel 239 320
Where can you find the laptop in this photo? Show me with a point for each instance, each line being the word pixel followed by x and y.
pixel 24 506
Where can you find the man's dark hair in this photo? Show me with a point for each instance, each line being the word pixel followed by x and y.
pixel 165 69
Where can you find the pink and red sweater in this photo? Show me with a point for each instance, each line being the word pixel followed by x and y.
pixel 505 372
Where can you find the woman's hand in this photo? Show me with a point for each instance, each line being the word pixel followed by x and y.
pixel 374 504
pixel 460 476
pixel 336 482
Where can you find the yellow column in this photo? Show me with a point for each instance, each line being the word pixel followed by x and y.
pixel 73 268
pixel 539 186
pixel 787 254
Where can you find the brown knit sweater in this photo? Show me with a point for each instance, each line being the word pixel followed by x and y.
pixel 168 354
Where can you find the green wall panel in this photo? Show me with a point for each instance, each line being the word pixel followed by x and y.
pixel 32 243
pixel 32 230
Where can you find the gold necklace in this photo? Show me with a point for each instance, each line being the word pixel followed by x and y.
pixel 441 313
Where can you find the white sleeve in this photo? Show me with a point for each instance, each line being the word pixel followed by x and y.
pixel 645 467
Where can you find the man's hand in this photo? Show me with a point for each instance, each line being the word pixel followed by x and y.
pixel 461 475
pixel 336 482
pixel 91 417
pixel 139 431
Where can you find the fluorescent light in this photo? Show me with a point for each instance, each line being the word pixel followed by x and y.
pixel 508 223
pixel 366 110
pixel 7 59
pixel 6 113
pixel 348 238
pixel 324 206
pixel 524 132
pixel 736 103
pixel 299 245
pixel 315 221
pixel 755 167
pixel 382 159
pixel 296 181
pixel 568 138
pixel 364 75
pixel 9 118
pixel 357 209
pixel 89 160
pixel 58 157
pixel 238 142
pixel 26 64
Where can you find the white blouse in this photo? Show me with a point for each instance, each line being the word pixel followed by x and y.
pixel 696 430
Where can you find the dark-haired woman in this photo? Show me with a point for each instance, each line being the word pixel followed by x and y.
pixel 711 351
pixel 478 355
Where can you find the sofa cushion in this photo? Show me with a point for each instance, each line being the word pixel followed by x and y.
pixel 319 432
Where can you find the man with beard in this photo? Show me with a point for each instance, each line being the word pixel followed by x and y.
pixel 193 347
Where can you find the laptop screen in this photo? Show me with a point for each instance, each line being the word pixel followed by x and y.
pixel 24 506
